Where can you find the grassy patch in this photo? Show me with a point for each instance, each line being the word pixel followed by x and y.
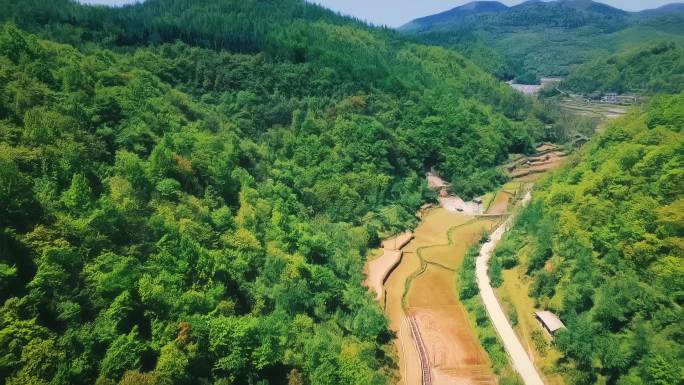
pixel 487 200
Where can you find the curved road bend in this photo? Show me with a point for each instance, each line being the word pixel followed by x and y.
pixel 521 361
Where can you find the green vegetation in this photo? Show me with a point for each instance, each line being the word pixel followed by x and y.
pixel 505 257
pixel 468 292
pixel 444 98
pixel 536 39
pixel 653 69
pixel 188 192
pixel 606 250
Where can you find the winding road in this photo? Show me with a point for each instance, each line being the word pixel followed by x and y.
pixel 521 361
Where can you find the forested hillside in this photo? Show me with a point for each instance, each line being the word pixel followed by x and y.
pixel 188 189
pixel 605 243
pixel 537 38
pixel 248 26
pixel 652 69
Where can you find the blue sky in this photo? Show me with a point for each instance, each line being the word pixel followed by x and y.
pixel 397 12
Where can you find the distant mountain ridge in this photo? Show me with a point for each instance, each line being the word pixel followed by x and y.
pixel 459 13
pixel 665 9
pixel 462 13
pixel 537 38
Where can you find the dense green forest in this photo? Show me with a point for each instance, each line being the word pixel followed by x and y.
pixel 657 68
pixel 536 39
pixel 363 61
pixel 605 248
pixel 188 189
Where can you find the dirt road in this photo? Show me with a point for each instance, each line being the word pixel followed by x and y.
pixel 521 361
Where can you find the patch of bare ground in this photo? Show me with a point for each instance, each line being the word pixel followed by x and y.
pixel 421 290
pixel 452 202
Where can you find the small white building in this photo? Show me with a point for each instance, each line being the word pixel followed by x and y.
pixel 549 321
pixel 610 98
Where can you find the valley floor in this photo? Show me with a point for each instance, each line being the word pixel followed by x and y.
pixel 415 279
pixel 421 295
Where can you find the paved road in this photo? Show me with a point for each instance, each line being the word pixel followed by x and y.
pixel 521 361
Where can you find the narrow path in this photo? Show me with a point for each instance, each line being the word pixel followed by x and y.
pixel 426 374
pixel 521 361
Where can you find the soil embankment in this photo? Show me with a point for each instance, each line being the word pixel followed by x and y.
pixel 548 157
pixel 379 269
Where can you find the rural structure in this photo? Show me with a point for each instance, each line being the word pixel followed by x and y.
pixel 549 321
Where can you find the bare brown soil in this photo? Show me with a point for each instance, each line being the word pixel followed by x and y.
pixel 409 363
pixel 453 348
pixel 500 204
pixel 423 290
pixel 398 242
pixel 379 269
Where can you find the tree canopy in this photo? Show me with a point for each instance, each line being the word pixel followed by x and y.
pixel 656 68
pixel 188 192
pixel 604 242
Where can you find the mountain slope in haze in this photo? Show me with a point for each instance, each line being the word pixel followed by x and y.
pixel 570 12
pixel 189 189
pixel 455 15
pixel 664 10
pixel 549 38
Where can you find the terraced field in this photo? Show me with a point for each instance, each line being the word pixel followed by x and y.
pixel 435 340
pixel 431 298
pixel 527 168
pixel 592 110
pixel 422 303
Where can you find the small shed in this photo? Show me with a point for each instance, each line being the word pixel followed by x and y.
pixel 549 321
